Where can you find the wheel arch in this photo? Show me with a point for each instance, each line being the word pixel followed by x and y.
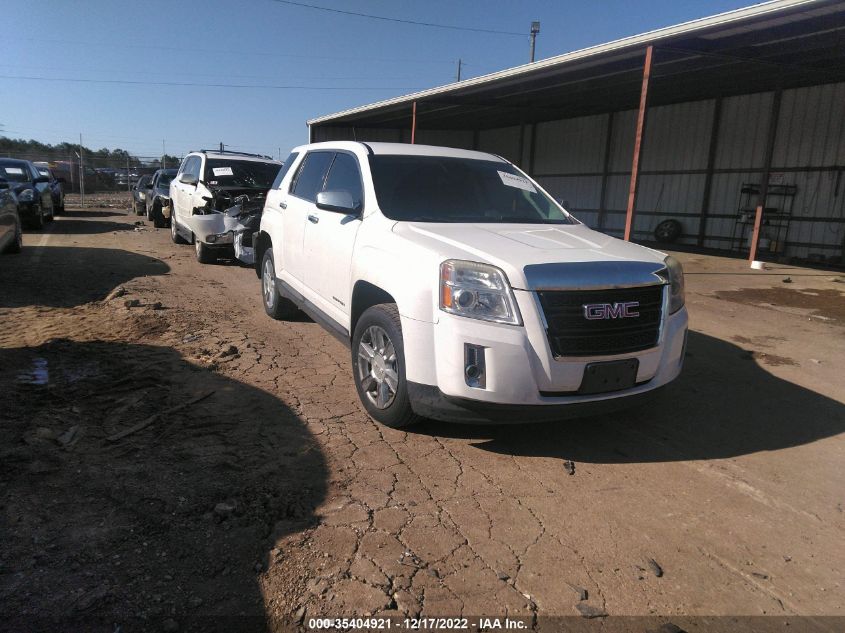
pixel 263 241
pixel 365 295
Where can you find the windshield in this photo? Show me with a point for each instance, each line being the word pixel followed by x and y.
pixel 15 173
pixel 222 172
pixel 440 189
pixel 164 180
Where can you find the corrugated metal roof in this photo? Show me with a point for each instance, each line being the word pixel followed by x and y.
pixel 700 28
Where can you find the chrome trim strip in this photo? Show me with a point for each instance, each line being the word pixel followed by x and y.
pixel 594 275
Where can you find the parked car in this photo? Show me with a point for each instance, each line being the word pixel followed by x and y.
pixel 158 195
pixel 11 233
pixel 139 195
pixel 208 183
pixel 32 191
pixel 57 186
pixel 464 290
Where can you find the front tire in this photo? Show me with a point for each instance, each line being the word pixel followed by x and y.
pixel 174 232
pixel 38 222
pixel 275 305
pixel 205 255
pixel 158 217
pixel 378 367
pixel 17 242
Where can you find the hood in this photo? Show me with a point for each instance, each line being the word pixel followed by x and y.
pixel 513 247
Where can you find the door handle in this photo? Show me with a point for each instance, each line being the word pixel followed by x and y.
pixel 313 219
pixel 283 204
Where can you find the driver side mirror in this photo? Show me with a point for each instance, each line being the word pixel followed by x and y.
pixel 189 179
pixel 149 185
pixel 338 201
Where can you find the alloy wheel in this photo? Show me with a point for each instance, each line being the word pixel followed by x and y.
pixel 268 284
pixel 378 370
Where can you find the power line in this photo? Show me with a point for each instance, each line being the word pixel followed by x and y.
pixel 401 21
pixel 199 85
pixel 231 52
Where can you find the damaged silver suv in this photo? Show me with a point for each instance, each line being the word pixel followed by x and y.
pixel 213 199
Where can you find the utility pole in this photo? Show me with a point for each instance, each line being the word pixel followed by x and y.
pixel 535 28
pixel 459 68
pixel 81 172
pixel 221 147
pixel 72 179
pixel 128 182
pixel 163 154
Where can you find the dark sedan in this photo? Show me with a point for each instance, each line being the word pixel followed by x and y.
pixel 32 191
pixel 139 194
pixel 11 236
pixel 57 187
pixel 158 192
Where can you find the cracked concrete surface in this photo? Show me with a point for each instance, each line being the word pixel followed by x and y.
pixel 732 480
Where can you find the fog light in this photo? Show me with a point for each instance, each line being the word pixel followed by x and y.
pixel 475 369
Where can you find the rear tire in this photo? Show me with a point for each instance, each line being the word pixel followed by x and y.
pixel 378 367
pixel 275 305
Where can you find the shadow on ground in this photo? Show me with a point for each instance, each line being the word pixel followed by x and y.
pixel 172 520
pixel 723 405
pixel 65 226
pixel 42 275
pixel 79 213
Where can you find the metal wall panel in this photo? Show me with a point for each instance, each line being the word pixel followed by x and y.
pixel 503 141
pixel 811 127
pixel 578 194
pixel 677 136
pixel 622 140
pixel 571 145
pixel 742 131
pixel 461 139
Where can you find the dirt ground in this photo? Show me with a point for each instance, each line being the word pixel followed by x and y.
pixel 173 459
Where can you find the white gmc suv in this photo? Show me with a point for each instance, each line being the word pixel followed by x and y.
pixel 464 291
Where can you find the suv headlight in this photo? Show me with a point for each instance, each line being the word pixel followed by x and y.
pixel 675 276
pixel 27 195
pixel 478 291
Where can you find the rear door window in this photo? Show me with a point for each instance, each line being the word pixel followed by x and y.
pixel 312 175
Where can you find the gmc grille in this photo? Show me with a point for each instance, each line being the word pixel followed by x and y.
pixel 571 334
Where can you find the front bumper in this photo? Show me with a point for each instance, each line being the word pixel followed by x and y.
pixel 521 372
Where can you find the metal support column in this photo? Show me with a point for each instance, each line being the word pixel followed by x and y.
pixel 767 168
pixel 711 162
pixel 604 172
pixel 638 143
pixel 414 123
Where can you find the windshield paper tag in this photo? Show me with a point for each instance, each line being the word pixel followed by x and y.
pixel 512 180
pixel 222 171
pixel 13 170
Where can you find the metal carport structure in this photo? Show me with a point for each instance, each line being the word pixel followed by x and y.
pixel 736 94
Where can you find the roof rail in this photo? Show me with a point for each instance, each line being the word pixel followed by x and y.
pixel 228 151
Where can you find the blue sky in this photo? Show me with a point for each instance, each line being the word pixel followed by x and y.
pixel 268 43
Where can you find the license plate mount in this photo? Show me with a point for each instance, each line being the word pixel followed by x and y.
pixel 608 376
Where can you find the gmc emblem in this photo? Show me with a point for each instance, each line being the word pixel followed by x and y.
pixel 621 310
